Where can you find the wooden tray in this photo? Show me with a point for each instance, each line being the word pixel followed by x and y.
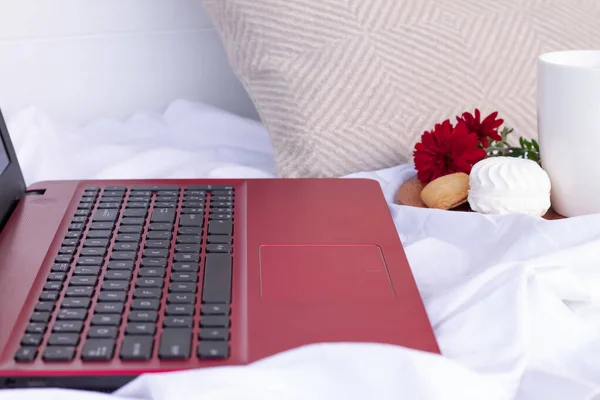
pixel 408 201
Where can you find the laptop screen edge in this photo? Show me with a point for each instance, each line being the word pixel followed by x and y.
pixel 12 184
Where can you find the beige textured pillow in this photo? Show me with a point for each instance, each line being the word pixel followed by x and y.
pixel 350 85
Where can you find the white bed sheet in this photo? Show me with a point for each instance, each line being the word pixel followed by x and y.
pixel 514 300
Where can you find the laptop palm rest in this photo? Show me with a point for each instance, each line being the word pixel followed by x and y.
pixel 326 273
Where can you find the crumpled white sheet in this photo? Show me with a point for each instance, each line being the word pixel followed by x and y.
pixel 514 300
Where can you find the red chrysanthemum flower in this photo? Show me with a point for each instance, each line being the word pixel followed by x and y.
pixel 446 150
pixel 488 129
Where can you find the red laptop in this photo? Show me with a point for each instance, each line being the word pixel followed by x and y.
pixel 101 281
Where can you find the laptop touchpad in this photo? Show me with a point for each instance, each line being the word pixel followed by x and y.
pixel 324 273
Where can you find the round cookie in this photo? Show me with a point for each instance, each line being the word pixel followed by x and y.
pixel 409 193
pixel 446 192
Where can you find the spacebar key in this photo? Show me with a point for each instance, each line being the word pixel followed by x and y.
pixel 175 344
pixel 217 278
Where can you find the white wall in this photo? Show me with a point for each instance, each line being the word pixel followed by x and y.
pixel 82 59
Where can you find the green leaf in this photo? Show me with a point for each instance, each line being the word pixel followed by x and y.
pixel 522 141
pixel 536 146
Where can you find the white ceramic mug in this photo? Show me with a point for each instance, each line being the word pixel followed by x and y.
pixel 569 129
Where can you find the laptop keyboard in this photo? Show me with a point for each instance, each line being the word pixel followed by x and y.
pixel 143 272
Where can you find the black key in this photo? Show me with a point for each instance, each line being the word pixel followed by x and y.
pixel 109 308
pixel 31 339
pixel 59 353
pixel 215 309
pixel 158 244
pixel 221 210
pixel 64 258
pixel 189 239
pixel 159 235
pixel 137 204
pixel 145 304
pixel 64 339
pixel 88 199
pixel 53 285
pixel 213 349
pixel 67 250
pixel 36 327
pixel 183 277
pixel 193 204
pixel 178 322
pixel 175 344
pixel 79 219
pixel 154 262
pixel 149 283
pixel 112 296
pixel 192 210
pixel 151 272
pixel 221 198
pixel 190 257
pixel 187 248
pixel 165 204
pixel 160 226
pixel 98 350
pixel 140 328
pixel 72 314
pixel 85 206
pixel 166 198
pixel 130 229
pixel 123 256
pixel 113 193
pixel 111 199
pixel 141 193
pixel 57 276
pixel 135 212
pixel 115 285
pixel 195 192
pixel 213 334
pixel 117 275
pixel 182 287
pixel 76 302
pixel 80 291
pixel 102 225
pixel 106 319
pixel 194 198
pixel 108 215
pixel 82 213
pixel 86 271
pixel 132 221
pixel 219 239
pixel 168 193
pixel 99 234
pixel 83 281
pixel 26 354
pixel 73 235
pixel 68 326
pixel 217 279
pixel 96 243
pixel 137 348
pixel 60 268
pixel 115 188
pixel 185 267
pixel 143 316
pixel 94 251
pixel 221 204
pixel 93 261
pixel 44 306
pixel 222 193
pixel 126 246
pixel 48 296
pixel 220 216
pixel 220 227
pixel 214 321
pixel 218 248
pixel 181 298
pixel 155 188
pixel 103 332
pixel 162 253
pixel 127 265
pixel 129 237
pixel 180 309
pixel 163 215
pixel 137 198
pixel 40 316
pixel 147 293
pixel 191 220
pixel 113 206
pixel 189 231
pixel 70 242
